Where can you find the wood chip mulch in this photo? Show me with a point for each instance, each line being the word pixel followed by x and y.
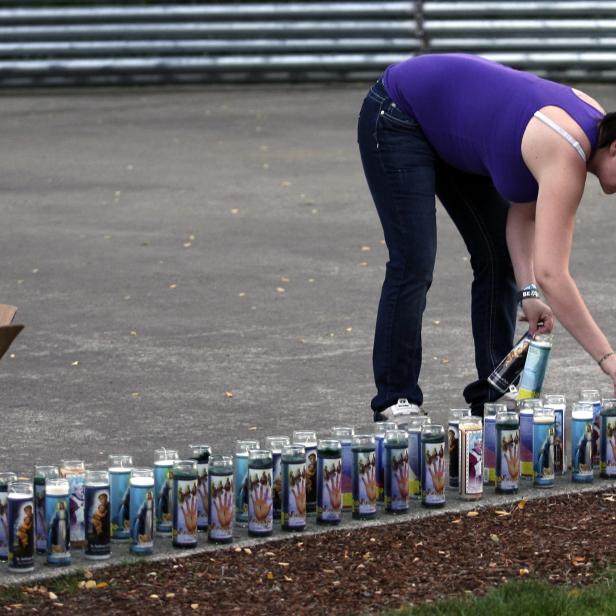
pixel 566 540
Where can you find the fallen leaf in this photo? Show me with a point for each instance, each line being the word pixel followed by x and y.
pixel 284 564
pixel 366 249
pixel 472 514
pixel 234 211
pixel 269 575
pixel 187 244
pixel 90 584
pixel 133 333
pixel 194 606
pixel 242 294
pixel 284 279
pixel 102 585
pixel 349 329
pixel 310 280
pixel 247 551
pixel 75 363
pixel 494 538
pixel 228 394
pixel 173 286
pixel 444 360
pixel 135 394
pixel 279 289
pixel 524 571
pixel 170 595
pixel 502 512
pixel 609 498
pixel 364 264
pixel 521 504
pixel 456 521
pixel 252 428
pixel 287 578
pixel 436 322
pixel 53 596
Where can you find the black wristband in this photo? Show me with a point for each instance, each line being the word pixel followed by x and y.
pixel 528 291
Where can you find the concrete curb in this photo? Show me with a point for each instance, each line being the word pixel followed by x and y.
pixel 164 550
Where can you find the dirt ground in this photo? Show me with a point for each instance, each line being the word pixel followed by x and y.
pixel 566 540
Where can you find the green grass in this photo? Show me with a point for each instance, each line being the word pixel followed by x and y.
pixel 528 598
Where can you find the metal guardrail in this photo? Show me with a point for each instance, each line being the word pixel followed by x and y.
pixel 106 43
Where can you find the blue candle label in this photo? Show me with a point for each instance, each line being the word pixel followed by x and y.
pixel 543 450
pixel 119 496
pixel 608 446
pixel 397 478
pixel 433 473
pixel 221 507
pixel 379 450
pixel 21 532
pixel 202 504
pixel 294 495
pixel 260 514
pixel 142 519
pixel 163 480
pixel 185 517
pixel 40 523
pixel 329 492
pixel 58 529
pixel 365 489
pixel 508 460
pixel 241 489
pixel 98 523
pixel 581 439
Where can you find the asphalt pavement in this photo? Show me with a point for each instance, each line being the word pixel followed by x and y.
pixel 204 264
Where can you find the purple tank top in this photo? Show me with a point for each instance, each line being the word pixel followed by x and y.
pixel 474 113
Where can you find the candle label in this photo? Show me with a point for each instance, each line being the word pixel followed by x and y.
pixel 98 523
pixel 608 446
pixel 163 480
pixel 433 477
pixel 365 489
pixel 396 479
pixel 471 461
pixel 526 445
pixel 379 450
pixel 329 491
pixel 415 464
pixel 142 518
pixel 489 450
pixel 4 525
pixel 221 507
pixel 453 436
pixel 21 532
pixel 507 460
pixel 40 522
pixel 346 481
pixel 277 486
pixel 119 494
pixel 185 517
pixel 311 479
pixel 260 514
pixel 560 466
pixel 241 489
pixel 76 506
pixel 581 440
pixel 202 504
pixel 597 407
pixel 57 510
pixel 293 513
pixel 543 453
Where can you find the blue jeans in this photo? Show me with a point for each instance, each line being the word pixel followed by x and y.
pixel 404 175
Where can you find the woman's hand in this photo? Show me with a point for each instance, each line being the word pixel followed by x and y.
pixel 535 312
